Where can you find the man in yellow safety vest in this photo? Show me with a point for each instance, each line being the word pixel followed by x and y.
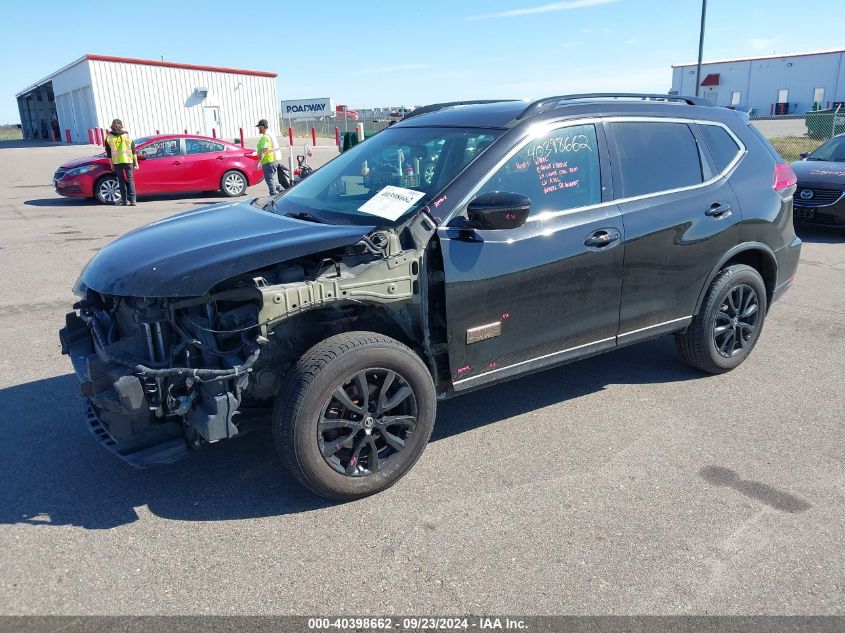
pixel 121 152
pixel 268 157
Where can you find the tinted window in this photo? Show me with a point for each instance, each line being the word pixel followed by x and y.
pixel 161 149
pixel 721 145
pixel 656 157
pixel 200 146
pixel 558 171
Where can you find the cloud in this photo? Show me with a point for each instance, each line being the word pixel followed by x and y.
pixel 543 8
pixel 389 69
pixel 631 40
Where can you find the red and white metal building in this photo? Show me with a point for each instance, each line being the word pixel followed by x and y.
pixel 150 97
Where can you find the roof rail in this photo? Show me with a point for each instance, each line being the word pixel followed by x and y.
pixel 548 103
pixel 434 107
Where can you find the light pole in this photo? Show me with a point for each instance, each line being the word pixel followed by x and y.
pixel 700 47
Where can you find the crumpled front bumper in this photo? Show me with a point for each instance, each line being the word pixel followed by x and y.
pixel 118 412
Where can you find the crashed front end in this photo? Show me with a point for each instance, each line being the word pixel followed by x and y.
pixel 162 376
pixel 157 376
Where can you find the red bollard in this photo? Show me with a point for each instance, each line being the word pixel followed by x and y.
pixel 157 132
pixel 290 136
pixel 242 137
pixel 213 133
pixel 67 136
pixel 337 136
pixel 314 136
pixel 102 136
pixel 91 136
pixel 186 131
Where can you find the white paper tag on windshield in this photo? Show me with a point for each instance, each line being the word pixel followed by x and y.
pixel 391 202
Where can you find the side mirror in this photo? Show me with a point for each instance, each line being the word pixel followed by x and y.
pixel 498 210
pixel 803 154
pixel 141 156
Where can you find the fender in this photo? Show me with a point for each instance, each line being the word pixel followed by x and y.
pixel 759 247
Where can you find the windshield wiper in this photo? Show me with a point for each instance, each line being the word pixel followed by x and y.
pixel 304 215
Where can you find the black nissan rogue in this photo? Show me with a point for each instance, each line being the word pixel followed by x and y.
pixel 470 243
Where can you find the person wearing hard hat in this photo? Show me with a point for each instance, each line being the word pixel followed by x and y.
pixel 120 149
pixel 268 157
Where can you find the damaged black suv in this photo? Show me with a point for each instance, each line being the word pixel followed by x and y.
pixel 468 244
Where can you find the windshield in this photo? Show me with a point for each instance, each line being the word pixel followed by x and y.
pixel 394 173
pixel 833 150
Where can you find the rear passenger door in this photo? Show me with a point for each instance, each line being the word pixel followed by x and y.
pixel 680 216
pixel 205 161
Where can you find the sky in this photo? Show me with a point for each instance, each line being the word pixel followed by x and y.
pixel 388 53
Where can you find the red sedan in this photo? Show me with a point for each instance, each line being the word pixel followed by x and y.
pixel 166 164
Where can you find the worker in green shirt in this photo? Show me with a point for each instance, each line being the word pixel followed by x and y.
pixel 268 158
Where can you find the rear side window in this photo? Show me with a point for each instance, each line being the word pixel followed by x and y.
pixel 558 171
pixel 656 157
pixel 200 146
pixel 722 146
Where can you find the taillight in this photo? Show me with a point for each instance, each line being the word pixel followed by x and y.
pixel 784 177
pixel 251 154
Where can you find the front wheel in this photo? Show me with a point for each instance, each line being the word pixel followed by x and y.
pixel 730 320
pixel 107 190
pixel 233 183
pixel 354 415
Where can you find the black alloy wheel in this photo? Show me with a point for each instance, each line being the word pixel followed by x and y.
pixel 354 414
pixel 736 320
pixel 367 422
pixel 729 322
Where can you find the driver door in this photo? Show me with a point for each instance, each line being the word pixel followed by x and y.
pixel 160 167
pixel 525 298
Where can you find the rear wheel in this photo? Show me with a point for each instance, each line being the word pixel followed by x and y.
pixel 107 190
pixel 730 320
pixel 354 415
pixel 233 183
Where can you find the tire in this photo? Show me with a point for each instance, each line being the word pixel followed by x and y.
pixel 107 189
pixel 728 325
pixel 233 183
pixel 336 458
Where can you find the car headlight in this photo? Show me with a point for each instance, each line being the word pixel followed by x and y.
pixel 78 171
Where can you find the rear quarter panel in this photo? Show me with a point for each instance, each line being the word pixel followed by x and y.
pixel 766 216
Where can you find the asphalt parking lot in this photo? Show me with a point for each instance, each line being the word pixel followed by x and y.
pixel 623 484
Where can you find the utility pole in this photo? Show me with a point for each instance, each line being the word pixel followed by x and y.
pixel 700 47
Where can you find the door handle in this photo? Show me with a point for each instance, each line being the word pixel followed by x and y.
pixel 221 158
pixel 177 162
pixel 717 210
pixel 603 238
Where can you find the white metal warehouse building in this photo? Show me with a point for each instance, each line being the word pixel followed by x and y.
pixel 769 84
pixel 148 96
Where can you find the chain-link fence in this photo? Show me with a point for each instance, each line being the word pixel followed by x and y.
pixel 795 136
pixel 325 127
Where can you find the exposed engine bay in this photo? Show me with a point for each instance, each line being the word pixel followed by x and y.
pixel 165 375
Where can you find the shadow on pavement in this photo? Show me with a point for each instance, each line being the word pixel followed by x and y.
pixel 53 472
pixel 764 493
pixel 209 197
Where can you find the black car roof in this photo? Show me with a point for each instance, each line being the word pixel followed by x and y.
pixel 491 115
pixel 508 113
